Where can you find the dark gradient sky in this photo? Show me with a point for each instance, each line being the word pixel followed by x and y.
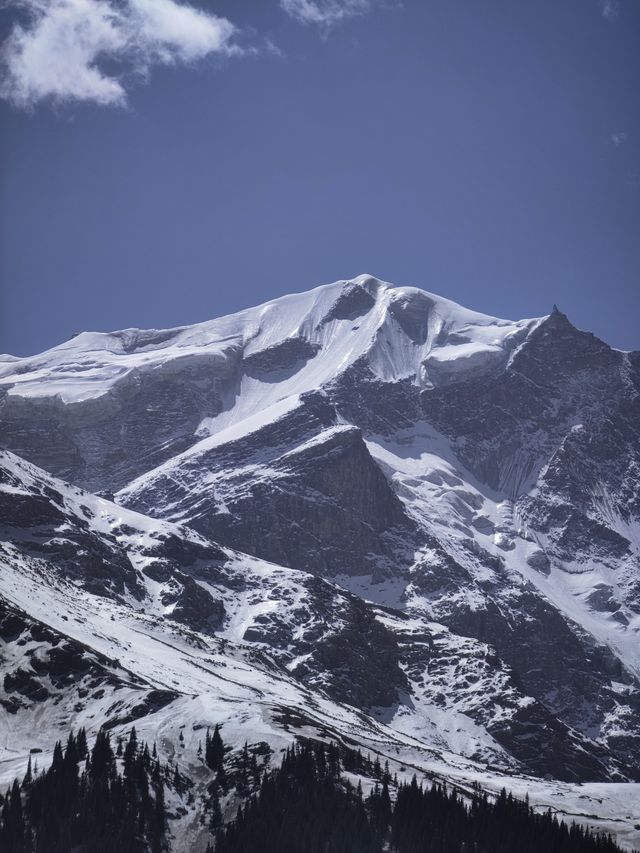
pixel 486 150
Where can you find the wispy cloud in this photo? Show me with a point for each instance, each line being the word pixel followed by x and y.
pixel 61 50
pixel 610 9
pixel 324 12
pixel 618 139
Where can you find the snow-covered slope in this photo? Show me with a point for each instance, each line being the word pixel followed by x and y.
pixel 148 394
pixel 366 503
pixel 402 331
pixel 408 671
pixel 78 655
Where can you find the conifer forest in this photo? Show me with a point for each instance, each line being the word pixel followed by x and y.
pixel 111 797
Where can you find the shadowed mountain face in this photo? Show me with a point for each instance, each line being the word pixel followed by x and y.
pixel 369 492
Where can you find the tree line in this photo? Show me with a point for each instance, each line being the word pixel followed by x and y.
pixel 308 806
pixel 111 799
pixel 102 800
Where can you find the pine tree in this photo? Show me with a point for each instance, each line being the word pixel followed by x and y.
pixel 215 819
pixel 158 820
pixel 81 744
pixel 214 749
pixel 28 776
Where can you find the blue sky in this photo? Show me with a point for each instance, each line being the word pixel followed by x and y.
pixel 162 169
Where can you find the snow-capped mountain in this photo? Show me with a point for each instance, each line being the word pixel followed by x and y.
pixel 360 512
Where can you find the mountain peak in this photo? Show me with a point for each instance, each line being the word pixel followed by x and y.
pixel 401 333
pixel 276 472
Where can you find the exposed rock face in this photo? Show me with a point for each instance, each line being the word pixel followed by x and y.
pixel 463 676
pixel 34 516
pixel 330 510
pixel 46 674
pixel 332 641
pixel 144 419
pixel 358 665
pixel 355 300
pixel 302 492
pixel 478 478
pixel 506 428
pixel 282 359
pixel 86 540
pixel 555 661
pixel 188 602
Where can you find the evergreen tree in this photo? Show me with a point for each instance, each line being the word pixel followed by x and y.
pixel 28 776
pixel 96 811
pixel 214 749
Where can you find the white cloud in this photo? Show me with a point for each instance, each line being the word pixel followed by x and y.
pixel 610 9
pixel 59 53
pixel 324 12
pixel 170 31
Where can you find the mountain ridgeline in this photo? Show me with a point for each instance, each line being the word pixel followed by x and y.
pixel 361 514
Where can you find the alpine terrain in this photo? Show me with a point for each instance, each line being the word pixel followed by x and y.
pixel 361 515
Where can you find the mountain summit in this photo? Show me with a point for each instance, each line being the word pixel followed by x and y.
pixel 401 332
pixel 152 391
